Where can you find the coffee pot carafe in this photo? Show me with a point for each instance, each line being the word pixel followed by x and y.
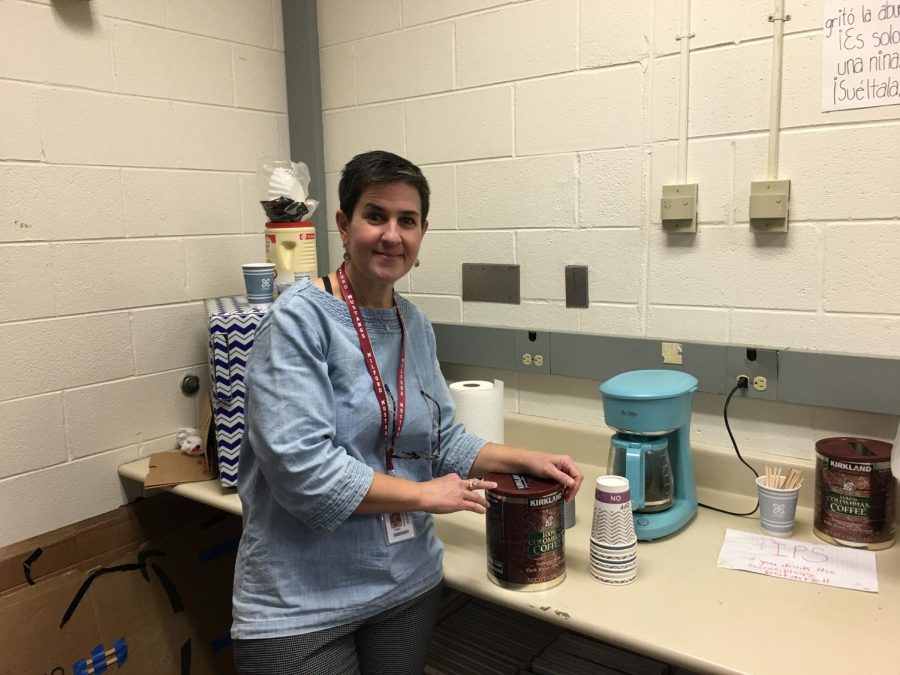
pixel 644 460
pixel 651 413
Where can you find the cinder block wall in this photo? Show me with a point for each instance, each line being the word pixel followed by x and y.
pixel 130 134
pixel 547 128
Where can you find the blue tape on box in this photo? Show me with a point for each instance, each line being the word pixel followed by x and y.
pixel 121 651
pixel 220 643
pixel 98 659
pixel 219 549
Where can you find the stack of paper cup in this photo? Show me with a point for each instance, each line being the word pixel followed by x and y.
pixel 569 513
pixel 613 542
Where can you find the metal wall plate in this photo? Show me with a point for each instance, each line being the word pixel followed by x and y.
pixel 599 357
pixel 576 286
pixel 488 282
pixel 476 345
pixel 845 381
pixel 840 381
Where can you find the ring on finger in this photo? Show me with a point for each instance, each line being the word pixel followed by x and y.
pixel 471 484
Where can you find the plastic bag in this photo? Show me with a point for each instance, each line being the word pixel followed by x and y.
pixel 283 189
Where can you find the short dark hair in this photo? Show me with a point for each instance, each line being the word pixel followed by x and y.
pixel 379 166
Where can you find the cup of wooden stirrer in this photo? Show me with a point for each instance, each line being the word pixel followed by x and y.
pixel 778 501
pixel 774 479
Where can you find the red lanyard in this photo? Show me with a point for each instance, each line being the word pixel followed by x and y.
pixel 359 323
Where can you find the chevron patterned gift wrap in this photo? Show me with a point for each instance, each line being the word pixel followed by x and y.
pixel 232 324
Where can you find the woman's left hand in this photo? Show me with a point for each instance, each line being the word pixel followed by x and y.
pixel 560 468
pixel 510 459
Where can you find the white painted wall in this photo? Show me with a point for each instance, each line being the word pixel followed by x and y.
pixel 130 133
pixel 547 128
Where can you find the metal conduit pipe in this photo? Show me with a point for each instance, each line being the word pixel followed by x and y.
pixel 685 85
pixel 778 18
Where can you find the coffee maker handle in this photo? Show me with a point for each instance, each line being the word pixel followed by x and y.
pixel 634 472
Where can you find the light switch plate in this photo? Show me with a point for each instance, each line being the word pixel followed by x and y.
pixel 678 208
pixel 769 205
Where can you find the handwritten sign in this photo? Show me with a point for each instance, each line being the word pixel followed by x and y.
pixel 799 560
pixel 860 54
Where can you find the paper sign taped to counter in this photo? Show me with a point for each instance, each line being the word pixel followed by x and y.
pixel 815 563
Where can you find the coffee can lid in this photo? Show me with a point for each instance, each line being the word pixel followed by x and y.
pixel 859 450
pixel 290 224
pixel 522 485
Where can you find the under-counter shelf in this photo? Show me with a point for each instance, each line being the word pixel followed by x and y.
pixel 472 637
pixel 209 492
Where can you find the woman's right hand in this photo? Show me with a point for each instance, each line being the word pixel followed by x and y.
pixel 451 493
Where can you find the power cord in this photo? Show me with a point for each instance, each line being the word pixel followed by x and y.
pixel 743 382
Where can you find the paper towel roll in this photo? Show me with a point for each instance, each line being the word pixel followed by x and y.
pixel 479 406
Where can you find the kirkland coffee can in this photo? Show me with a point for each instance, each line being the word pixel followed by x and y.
pixel 525 532
pixel 854 501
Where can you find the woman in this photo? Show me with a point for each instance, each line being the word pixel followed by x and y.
pixel 350 446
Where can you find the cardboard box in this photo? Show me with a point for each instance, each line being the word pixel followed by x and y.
pixel 232 325
pixel 153 578
pixel 174 467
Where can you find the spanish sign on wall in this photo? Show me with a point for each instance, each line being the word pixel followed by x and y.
pixel 860 54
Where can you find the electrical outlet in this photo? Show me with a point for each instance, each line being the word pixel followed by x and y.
pixel 528 359
pixel 532 353
pixel 759 366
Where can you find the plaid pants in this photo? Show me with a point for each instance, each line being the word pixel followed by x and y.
pixel 391 643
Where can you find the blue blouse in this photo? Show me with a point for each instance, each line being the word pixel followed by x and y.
pixel 313 441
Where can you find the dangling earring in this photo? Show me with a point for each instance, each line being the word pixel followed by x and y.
pixel 346 253
pixel 417 263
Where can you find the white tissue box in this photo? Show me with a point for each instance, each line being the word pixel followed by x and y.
pixel 232 325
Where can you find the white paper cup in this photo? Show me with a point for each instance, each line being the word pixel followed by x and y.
pixel 613 523
pixel 600 554
pixel 613 566
pixel 606 554
pixel 777 508
pixel 614 579
pixel 259 280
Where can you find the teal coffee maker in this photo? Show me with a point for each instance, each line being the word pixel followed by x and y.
pixel 651 413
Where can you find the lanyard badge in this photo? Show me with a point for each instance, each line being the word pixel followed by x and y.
pixel 398 526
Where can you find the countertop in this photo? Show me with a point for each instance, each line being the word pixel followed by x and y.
pixel 682 608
